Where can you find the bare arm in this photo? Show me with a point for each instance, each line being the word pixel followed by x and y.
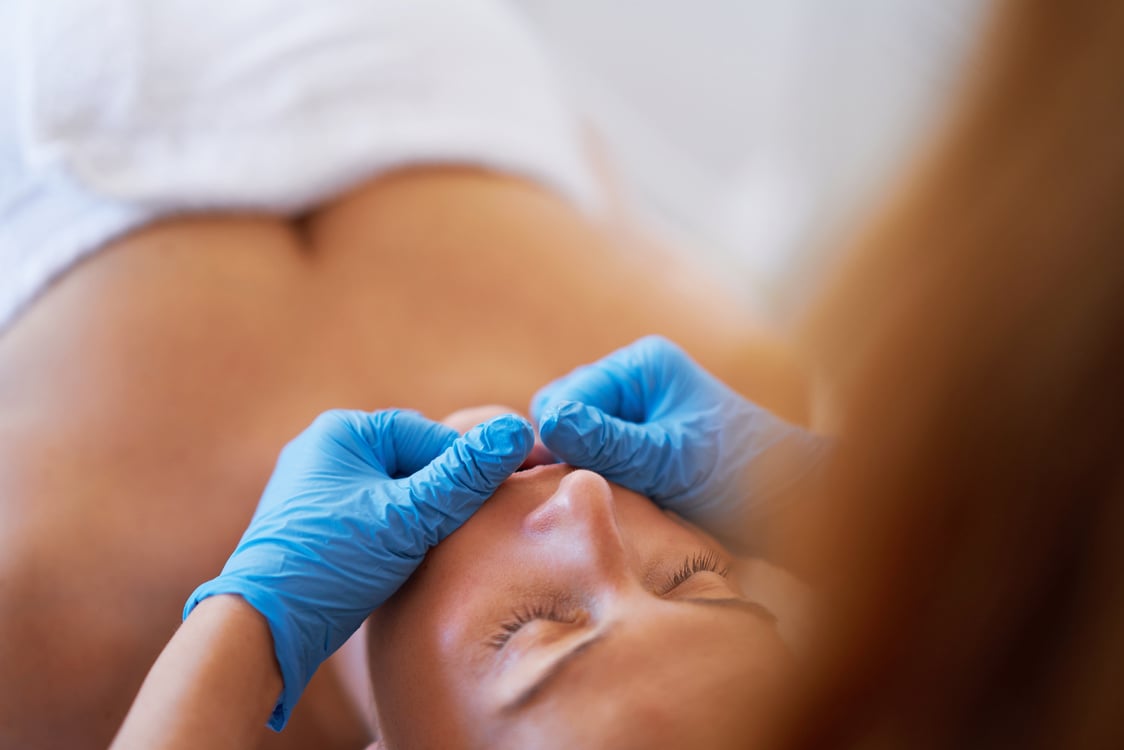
pixel 214 684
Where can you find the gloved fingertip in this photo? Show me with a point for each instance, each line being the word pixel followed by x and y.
pixel 508 437
pixel 566 427
pixel 548 422
pixel 452 487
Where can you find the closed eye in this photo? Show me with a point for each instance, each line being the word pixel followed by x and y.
pixel 556 610
pixel 700 562
pixel 553 610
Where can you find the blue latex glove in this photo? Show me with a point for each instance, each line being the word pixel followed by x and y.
pixel 650 419
pixel 354 503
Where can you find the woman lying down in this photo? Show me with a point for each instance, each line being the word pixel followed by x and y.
pixel 567 611
pixel 571 612
pixel 231 217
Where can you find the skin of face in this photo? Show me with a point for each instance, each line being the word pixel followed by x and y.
pixel 571 612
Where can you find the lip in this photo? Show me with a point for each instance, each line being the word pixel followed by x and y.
pixel 538 456
pixel 542 470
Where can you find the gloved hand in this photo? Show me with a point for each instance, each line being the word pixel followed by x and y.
pixel 354 503
pixel 650 419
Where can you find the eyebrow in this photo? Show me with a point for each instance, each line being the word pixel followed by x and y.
pixel 550 674
pixel 734 602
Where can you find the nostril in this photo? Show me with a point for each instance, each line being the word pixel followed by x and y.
pixel 539 456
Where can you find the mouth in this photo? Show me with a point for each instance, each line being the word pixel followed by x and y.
pixel 542 470
pixel 539 456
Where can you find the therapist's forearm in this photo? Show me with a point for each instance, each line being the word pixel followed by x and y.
pixel 213 686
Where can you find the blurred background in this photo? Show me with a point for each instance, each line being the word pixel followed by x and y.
pixel 753 134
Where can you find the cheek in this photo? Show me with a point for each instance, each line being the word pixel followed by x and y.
pixel 433 615
pixel 419 609
pixel 652 531
pixel 454 610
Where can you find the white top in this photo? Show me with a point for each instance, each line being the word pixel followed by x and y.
pixel 116 112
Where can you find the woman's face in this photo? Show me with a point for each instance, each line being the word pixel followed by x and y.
pixel 572 612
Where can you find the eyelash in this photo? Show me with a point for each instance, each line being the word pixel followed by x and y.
pixel 550 610
pixel 700 562
pixel 554 611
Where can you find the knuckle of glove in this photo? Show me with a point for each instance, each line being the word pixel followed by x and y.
pixel 332 422
pixel 657 349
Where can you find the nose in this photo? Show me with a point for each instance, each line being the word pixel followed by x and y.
pixel 579 522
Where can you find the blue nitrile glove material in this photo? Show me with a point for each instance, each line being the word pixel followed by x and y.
pixel 650 419
pixel 354 503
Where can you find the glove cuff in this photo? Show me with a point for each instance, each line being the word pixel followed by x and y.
pixel 296 663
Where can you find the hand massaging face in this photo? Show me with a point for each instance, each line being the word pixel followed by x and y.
pixel 571 612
